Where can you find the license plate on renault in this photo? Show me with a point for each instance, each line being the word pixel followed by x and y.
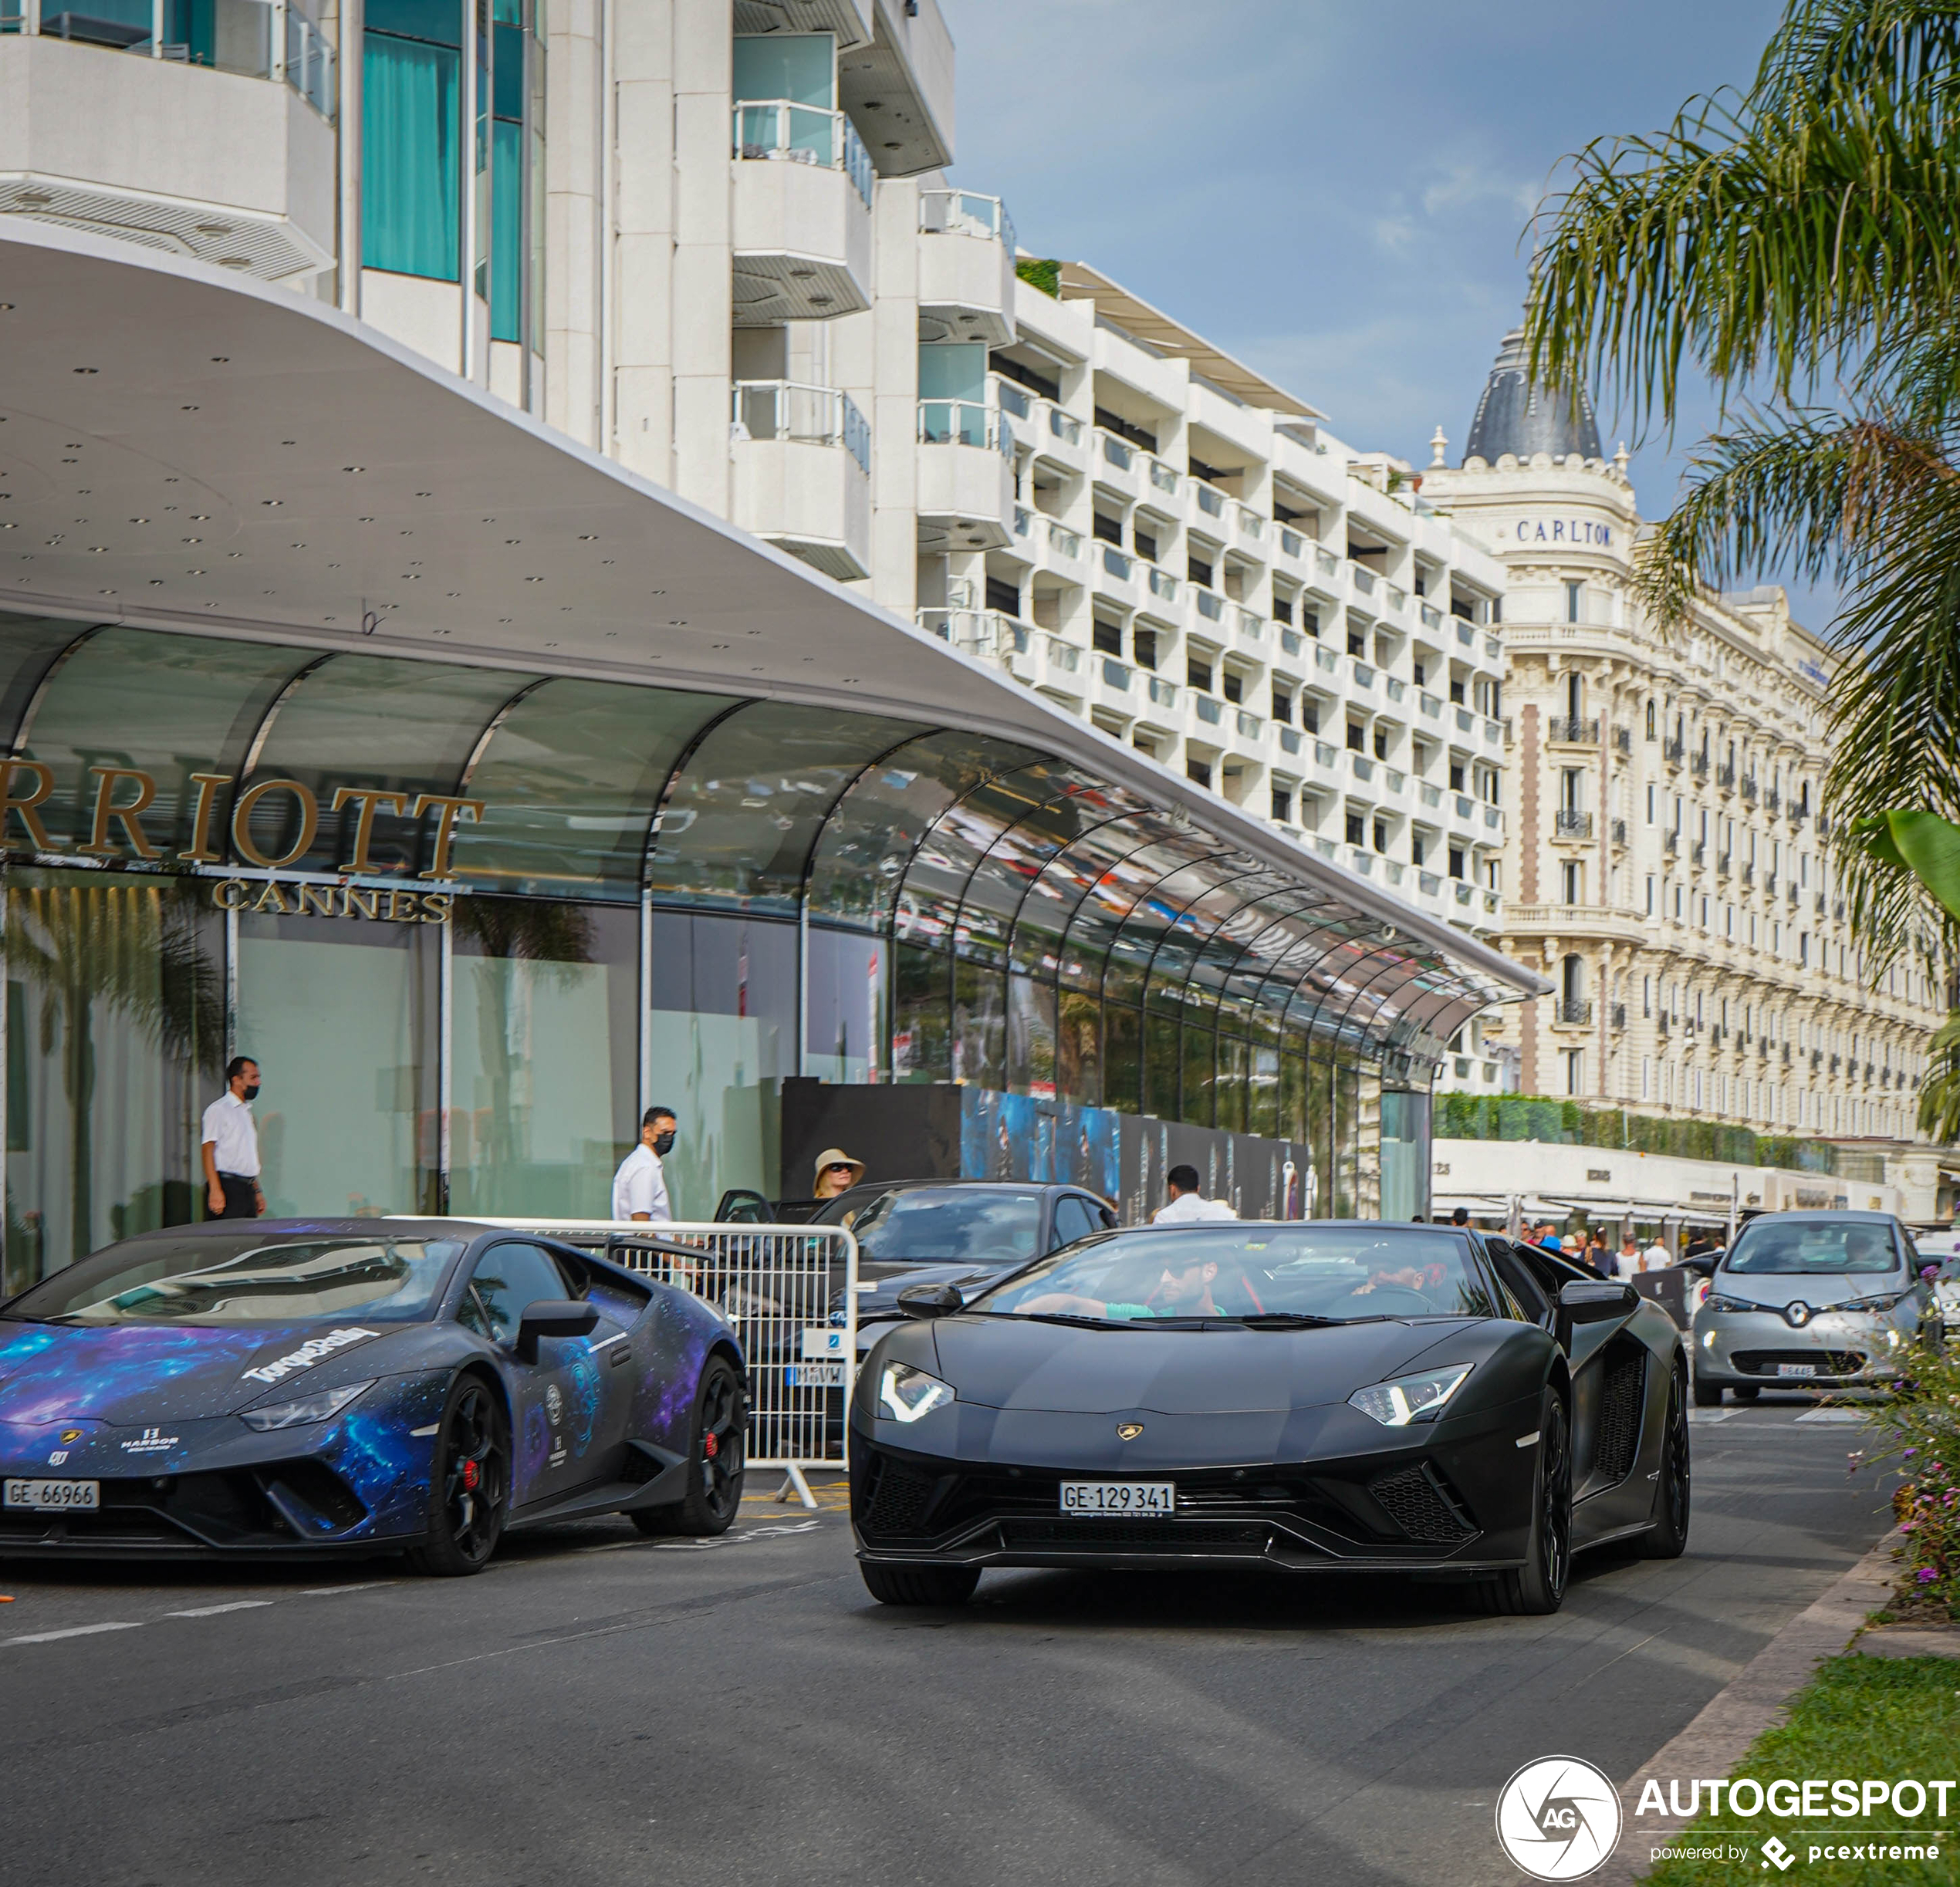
pixel 53 1496
pixel 1119 1496
pixel 1796 1369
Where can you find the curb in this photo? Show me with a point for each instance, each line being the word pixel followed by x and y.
pixel 1752 1702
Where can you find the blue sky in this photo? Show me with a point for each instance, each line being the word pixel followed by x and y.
pixel 1331 190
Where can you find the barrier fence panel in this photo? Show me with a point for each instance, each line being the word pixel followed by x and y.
pixel 776 1285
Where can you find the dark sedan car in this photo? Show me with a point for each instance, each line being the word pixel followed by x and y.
pixel 357 1385
pixel 1321 1396
pixel 966 1233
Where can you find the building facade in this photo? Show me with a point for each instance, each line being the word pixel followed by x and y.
pixel 469 510
pixel 1669 867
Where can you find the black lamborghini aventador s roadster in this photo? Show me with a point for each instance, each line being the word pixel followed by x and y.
pixel 1324 1396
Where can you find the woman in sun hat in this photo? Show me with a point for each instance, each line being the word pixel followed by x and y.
pixel 836 1172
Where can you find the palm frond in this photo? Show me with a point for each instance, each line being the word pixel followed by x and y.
pixel 1779 234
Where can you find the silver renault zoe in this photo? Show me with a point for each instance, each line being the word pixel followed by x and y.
pixel 1811 1301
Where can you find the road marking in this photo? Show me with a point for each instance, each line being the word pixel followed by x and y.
pixel 74 1631
pixel 1706 1416
pixel 211 1611
pixel 1834 1415
pixel 328 1591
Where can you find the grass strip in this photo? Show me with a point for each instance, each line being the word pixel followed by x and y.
pixel 1859 1718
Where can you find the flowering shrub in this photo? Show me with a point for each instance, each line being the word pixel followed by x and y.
pixel 1919 1429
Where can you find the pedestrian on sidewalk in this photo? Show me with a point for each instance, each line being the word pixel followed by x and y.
pixel 1630 1264
pixel 1187 1205
pixel 640 1187
pixel 231 1145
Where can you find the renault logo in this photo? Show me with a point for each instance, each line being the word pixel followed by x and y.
pixel 1128 1431
pixel 1799 1313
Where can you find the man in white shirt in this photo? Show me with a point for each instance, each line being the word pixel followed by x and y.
pixel 640 1187
pixel 1656 1258
pixel 1186 1206
pixel 231 1145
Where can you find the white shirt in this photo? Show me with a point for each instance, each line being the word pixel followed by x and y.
pixel 1656 1258
pixel 233 1135
pixel 640 1185
pixel 1189 1209
pixel 1629 1264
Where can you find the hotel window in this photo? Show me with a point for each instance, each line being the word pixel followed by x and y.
pixel 1650 894
pixel 1575 1071
pixel 1572 881
pixel 1575 612
pixel 411 99
pixel 1282 805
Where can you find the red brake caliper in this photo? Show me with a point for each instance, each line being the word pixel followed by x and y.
pixel 712 1446
pixel 472 1474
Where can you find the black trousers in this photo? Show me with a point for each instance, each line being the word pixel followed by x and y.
pixel 241 1196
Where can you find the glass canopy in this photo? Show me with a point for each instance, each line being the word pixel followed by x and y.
pixel 1032 928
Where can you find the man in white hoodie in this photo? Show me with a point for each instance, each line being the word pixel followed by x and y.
pixel 1186 1206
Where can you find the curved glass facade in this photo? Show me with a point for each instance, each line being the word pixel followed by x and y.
pixel 470 920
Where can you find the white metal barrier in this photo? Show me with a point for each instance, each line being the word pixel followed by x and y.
pixel 776 1283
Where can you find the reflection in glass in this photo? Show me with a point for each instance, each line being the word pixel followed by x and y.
pixel 113 1000
pixel 372 721
pixel 544 1056
pixel 921 1032
pixel 569 779
pixel 341 1016
pixel 843 1012
pixel 743 818
pixel 170 705
pixel 723 1035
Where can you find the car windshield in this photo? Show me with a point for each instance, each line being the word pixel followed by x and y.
pixel 1811 1246
pixel 245 1279
pixel 1230 1271
pixel 949 1225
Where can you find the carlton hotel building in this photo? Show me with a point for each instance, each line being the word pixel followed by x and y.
pixel 1669 868
pixel 549 562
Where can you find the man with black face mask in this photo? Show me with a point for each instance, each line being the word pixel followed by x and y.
pixel 640 1187
pixel 231 1145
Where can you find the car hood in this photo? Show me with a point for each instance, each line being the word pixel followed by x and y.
pixel 130 1373
pixel 1021 1363
pixel 1820 1289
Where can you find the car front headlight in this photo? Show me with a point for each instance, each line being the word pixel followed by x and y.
pixel 1715 1301
pixel 1409 1399
pixel 319 1408
pixel 905 1394
pixel 1885 1300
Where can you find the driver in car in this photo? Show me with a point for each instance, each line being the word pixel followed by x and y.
pixel 1422 1278
pixel 1180 1291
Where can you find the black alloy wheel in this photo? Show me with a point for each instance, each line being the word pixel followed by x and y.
pixel 1667 1539
pixel 1539 1585
pixel 718 1453
pixel 469 1490
pixel 919 1585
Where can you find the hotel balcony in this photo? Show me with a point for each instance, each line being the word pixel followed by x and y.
pixel 966 476
pixel 802 474
pixel 105 130
pixel 801 215
pixel 966 268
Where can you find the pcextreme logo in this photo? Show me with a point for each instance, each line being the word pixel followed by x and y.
pixel 1559 1818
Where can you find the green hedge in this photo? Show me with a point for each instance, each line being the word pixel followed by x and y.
pixel 1037 273
pixel 1570 1123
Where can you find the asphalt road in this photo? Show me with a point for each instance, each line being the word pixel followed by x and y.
pixel 599 1709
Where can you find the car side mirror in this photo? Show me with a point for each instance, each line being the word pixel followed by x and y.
pixel 929 1300
pixel 1701 1267
pixel 553 1316
pixel 1580 1302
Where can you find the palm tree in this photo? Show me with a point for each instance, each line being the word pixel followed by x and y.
pixel 129 950
pixel 1795 244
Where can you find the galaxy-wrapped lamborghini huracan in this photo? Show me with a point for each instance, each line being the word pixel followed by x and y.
pixel 357 1385
pixel 1325 1396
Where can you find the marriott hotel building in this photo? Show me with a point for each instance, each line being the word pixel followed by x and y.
pixel 542 571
